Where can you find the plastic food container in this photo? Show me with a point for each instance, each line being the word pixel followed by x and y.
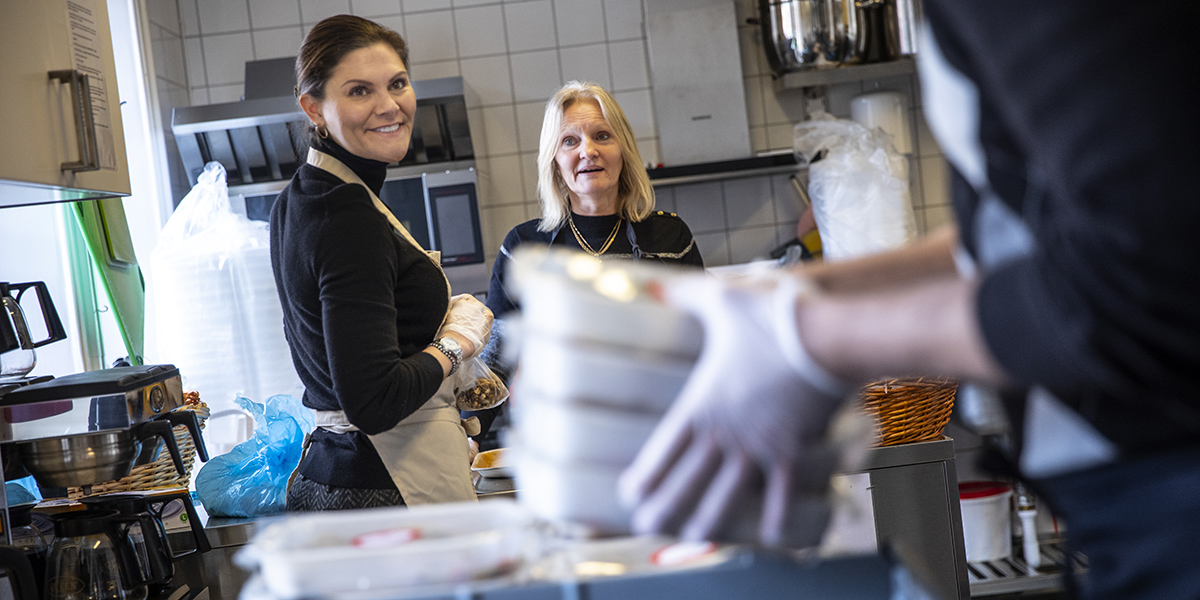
pixel 574 296
pixel 571 432
pixel 595 559
pixel 492 464
pixel 580 493
pixel 640 380
pixel 315 554
pixel 987 519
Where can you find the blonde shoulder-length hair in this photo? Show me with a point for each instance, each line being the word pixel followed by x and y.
pixel 635 195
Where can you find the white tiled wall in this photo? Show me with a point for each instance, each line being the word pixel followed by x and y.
pixel 171 68
pixel 512 54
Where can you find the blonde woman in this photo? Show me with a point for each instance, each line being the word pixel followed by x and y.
pixel 594 191
pixel 595 195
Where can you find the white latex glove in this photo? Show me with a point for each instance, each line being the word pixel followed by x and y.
pixel 742 454
pixel 471 319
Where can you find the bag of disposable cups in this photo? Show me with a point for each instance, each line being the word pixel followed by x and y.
pixel 858 184
pixel 477 387
pixel 216 309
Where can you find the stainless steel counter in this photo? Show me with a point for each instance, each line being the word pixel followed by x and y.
pixel 214 570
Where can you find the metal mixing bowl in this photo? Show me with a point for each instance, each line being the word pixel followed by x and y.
pixel 80 460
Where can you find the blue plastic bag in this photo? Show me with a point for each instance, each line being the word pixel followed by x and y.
pixel 22 491
pixel 251 480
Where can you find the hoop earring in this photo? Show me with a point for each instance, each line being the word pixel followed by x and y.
pixel 322 132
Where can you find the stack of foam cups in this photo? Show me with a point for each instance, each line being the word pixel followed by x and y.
pixel 600 361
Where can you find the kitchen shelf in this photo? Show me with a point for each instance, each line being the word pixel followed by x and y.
pixel 769 164
pixel 834 75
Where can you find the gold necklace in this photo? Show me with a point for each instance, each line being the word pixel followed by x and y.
pixel 588 247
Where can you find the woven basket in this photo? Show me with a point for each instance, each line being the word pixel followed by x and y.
pixel 161 473
pixel 910 410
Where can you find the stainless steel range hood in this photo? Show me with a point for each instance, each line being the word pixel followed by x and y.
pixel 259 140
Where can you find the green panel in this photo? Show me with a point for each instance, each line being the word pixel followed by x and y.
pixel 122 280
pixel 91 338
pixel 116 232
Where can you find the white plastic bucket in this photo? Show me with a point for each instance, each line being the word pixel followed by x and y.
pixel 986 519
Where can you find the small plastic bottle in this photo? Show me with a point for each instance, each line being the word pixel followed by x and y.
pixel 1027 512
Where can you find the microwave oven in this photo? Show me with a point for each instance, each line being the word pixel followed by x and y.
pixel 439 208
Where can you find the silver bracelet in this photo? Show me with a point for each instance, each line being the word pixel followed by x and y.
pixel 454 360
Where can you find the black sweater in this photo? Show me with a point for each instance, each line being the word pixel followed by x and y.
pixel 1091 141
pixel 661 237
pixel 359 305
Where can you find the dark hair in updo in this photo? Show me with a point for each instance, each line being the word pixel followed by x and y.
pixel 329 41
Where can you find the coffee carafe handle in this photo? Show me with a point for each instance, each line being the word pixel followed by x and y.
pixel 163 429
pixel 15 564
pixel 188 419
pixel 162 499
pixel 127 558
pixel 54 327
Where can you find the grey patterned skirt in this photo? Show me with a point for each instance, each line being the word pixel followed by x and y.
pixel 306 495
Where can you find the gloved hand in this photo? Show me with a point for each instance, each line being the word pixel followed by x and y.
pixel 742 453
pixel 471 319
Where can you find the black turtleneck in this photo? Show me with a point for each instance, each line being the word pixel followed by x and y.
pixel 359 304
pixel 372 172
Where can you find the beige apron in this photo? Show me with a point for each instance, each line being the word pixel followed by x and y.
pixel 426 453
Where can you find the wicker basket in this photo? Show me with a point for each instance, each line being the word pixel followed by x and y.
pixel 910 410
pixel 161 473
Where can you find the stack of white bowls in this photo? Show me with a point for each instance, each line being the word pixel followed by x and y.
pixel 600 361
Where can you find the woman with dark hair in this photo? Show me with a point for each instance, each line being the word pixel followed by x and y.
pixel 374 332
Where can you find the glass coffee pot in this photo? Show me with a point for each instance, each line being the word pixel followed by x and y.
pixel 91 559
pixel 144 528
pixel 27 537
pixel 16 577
pixel 17 356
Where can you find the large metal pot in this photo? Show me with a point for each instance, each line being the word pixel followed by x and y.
pixel 842 32
pixel 878 30
pixel 90 458
pixel 793 32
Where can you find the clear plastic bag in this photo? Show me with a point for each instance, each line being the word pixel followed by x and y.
pixel 859 189
pixel 210 285
pixel 251 480
pixel 477 387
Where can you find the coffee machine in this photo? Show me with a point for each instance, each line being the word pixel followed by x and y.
pixel 81 429
pixel 87 428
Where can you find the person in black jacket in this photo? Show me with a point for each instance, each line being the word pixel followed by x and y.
pixel 596 198
pixel 374 332
pixel 1068 286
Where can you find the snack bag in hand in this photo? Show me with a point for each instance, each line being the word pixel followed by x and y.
pixel 478 387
